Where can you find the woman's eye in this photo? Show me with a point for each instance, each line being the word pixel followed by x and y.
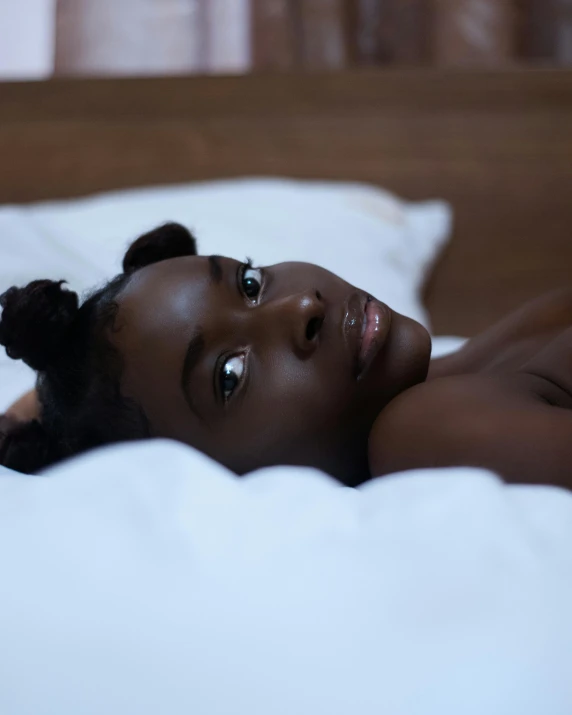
pixel 230 375
pixel 251 280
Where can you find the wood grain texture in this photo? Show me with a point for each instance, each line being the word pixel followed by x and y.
pixel 498 146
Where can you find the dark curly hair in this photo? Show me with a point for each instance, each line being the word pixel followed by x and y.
pixel 78 369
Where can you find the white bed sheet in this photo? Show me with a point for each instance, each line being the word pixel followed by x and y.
pixel 146 579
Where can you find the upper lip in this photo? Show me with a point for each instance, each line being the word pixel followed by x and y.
pixel 352 323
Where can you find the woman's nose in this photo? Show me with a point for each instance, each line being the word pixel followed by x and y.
pixel 302 315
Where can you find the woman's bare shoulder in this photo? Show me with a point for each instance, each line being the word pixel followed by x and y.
pixel 512 340
pixel 475 420
pixel 411 430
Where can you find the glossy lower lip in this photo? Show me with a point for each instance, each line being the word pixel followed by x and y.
pixel 375 328
pixel 352 327
pixel 365 326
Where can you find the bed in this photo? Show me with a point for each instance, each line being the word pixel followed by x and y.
pixel 145 578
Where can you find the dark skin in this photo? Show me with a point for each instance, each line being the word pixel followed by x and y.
pixel 503 402
pixel 298 400
pixel 292 392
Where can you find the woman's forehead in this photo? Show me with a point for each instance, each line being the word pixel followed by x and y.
pixel 156 275
pixel 170 281
pixel 164 295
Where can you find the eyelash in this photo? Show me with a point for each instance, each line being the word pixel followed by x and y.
pixel 223 362
pixel 242 270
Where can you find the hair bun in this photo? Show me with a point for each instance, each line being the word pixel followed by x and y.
pixel 171 240
pixel 35 321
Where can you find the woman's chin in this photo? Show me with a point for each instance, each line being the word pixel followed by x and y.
pixel 402 362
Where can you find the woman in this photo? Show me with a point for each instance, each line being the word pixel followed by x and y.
pixel 283 365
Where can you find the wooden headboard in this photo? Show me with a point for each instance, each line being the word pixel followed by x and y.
pixel 496 145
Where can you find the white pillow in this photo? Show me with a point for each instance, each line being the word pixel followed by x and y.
pixel 147 579
pixel 371 238
pixel 445 345
pixel 364 234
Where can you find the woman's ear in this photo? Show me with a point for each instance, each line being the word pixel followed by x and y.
pixel 171 240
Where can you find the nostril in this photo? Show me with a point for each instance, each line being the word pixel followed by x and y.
pixel 313 328
pixel 318 295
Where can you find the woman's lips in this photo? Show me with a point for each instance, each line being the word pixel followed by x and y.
pixel 365 327
pixel 375 328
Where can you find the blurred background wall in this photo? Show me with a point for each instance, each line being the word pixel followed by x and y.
pixel 40 38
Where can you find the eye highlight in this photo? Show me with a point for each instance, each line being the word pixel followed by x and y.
pixel 231 375
pixel 250 281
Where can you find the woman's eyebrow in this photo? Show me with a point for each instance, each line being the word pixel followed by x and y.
pixel 215 267
pixel 193 355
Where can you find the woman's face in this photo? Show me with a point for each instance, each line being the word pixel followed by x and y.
pixel 255 367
